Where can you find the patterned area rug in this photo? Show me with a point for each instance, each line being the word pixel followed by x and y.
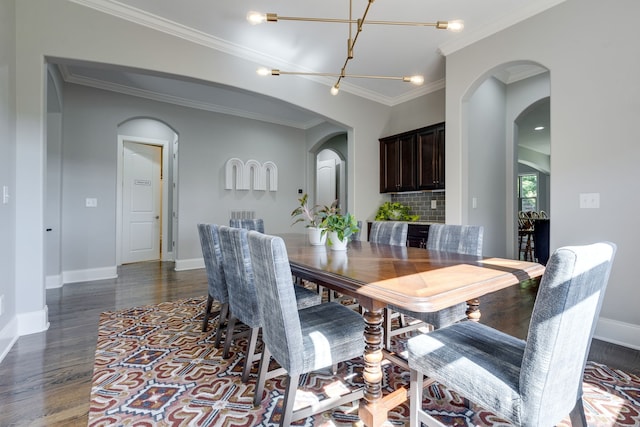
pixel 154 367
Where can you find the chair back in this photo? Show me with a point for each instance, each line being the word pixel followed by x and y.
pixel 238 273
pixel 210 243
pixel 389 233
pixel 249 224
pixel 460 239
pixel 562 324
pixel 281 329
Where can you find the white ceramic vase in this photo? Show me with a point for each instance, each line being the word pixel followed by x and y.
pixel 335 243
pixel 316 238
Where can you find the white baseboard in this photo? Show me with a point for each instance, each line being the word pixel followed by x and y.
pixel 8 337
pixel 33 322
pixel 616 332
pixel 53 282
pixel 189 264
pixel 90 274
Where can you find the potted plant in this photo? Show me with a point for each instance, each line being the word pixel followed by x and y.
pixel 338 227
pixel 394 211
pixel 313 217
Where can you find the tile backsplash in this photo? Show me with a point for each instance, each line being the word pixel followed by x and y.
pixel 420 204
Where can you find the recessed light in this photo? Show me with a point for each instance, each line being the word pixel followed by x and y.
pixel 538 128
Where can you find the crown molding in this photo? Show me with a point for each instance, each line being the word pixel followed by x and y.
pixel 184 102
pixel 528 10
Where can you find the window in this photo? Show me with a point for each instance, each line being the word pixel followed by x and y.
pixel 528 192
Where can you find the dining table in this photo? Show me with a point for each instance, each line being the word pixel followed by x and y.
pixel 416 279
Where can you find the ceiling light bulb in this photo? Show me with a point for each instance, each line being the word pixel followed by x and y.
pixel 416 80
pixel 256 18
pixel 455 26
pixel 263 71
pixel 538 128
pixel 334 90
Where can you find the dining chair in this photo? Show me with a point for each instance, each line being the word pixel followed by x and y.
pixel 217 285
pixel 452 238
pixel 243 301
pixel 250 224
pixel 300 341
pixel 536 382
pixel 389 233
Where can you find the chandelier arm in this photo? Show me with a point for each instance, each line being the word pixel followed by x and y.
pixel 353 43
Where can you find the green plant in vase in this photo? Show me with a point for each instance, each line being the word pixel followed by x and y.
pixel 312 215
pixel 338 226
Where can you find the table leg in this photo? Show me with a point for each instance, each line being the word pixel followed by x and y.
pixel 473 310
pixel 374 409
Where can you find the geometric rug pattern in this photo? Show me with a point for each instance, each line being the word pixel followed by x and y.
pixel 155 367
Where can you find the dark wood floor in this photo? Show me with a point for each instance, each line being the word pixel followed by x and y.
pixel 45 380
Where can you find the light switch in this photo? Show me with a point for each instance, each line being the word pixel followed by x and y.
pixel 91 202
pixel 434 204
pixel 474 203
pixel 589 200
pixel 5 194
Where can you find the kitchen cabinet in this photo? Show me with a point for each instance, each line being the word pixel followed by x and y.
pixel 397 163
pixel 430 151
pixel 413 161
pixel 417 235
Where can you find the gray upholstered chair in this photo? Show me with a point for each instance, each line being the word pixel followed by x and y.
pixel 217 286
pixel 301 341
pixel 460 239
pixel 389 233
pixel 243 300
pixel 249 224
pixel 530 383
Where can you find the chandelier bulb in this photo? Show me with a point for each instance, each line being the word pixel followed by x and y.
pixel 256 18
pixel 335 89
pixel 263 71
pixel 455 26
pixel 416 80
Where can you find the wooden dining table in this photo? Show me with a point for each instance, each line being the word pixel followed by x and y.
pixel 411 278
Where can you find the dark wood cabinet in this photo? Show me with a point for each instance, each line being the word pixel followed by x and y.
pixel 417 235
pixel 430 150
pixel 413 160
pixel 397 163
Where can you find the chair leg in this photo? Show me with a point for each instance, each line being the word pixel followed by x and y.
pixel 249 357
pixel 207 313
pixel 577 416
pixel 289 399
pixel 415 397
pixel 263 369
pixel 224 313
pixel 229 336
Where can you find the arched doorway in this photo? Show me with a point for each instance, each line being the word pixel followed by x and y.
pixel 157 229
pixel 494 103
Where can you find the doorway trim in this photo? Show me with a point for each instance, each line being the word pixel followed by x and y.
pixel 164 216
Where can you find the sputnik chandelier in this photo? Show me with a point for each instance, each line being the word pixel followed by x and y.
pixel 259 18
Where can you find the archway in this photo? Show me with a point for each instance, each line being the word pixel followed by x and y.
pixel 155 133
pixel 491 108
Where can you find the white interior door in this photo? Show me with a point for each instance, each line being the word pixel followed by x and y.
pixel 326 182
pixel 141 202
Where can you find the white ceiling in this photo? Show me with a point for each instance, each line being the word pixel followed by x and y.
pixel 304 46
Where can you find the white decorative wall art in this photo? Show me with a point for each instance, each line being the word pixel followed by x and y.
pixel 241 172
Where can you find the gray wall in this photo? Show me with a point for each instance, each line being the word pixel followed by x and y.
pixel 485 163
pixel 7 170
pixel 594 111
pixel 206 141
